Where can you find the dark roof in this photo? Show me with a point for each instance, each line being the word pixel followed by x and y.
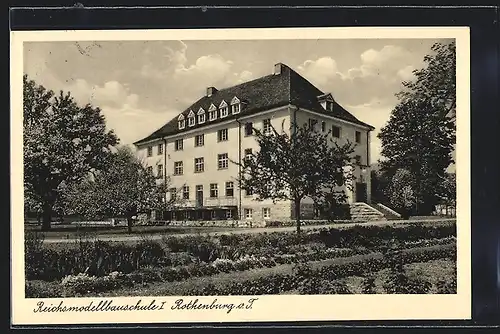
pixel 261 94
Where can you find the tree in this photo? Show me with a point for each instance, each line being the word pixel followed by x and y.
pixel 62 144
pixel 401 192
pixel 125 188
pixel 436 81
pixel 293 166
pixel 420 139
pixel 448 191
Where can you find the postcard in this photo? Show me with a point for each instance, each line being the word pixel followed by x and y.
pixel 240 175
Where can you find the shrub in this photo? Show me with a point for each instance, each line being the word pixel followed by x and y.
pixel 444 287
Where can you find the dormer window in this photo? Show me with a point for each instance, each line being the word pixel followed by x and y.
pixel 329 105
pixel 191 119
pixel 235 105
pixel 181 121
pixel 212 112
pixel 224 110
pixel 201 116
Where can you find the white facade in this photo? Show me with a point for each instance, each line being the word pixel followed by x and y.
pixel 239 204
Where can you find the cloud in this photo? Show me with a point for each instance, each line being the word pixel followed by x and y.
pixel 320 71
pixel 111 94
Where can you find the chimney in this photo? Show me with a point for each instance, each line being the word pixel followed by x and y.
pixel 211 91
pixel 278 68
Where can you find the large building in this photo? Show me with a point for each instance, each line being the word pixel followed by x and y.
pixel 196 148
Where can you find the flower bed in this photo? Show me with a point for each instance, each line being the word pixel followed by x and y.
pixel 304 279
pixel 99 258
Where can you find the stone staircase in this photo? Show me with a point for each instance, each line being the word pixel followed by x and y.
pixel 389 214
pixel 363 212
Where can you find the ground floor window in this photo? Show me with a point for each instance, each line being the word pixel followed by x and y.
pixel 213 214
pixel 229 214
pixel 248 213
pixel 266 213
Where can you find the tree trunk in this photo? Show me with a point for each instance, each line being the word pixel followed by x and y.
pixel 46 217
pixel 130 223
pixel 297 215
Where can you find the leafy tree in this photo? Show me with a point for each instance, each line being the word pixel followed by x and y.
pixel 296 165
pixel 125 188
pixel 448 193
pixel 436 81
pixel 419 137
pixel 62 143
pixel 401 192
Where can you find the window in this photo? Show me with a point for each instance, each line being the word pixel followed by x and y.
pixel 199 140
pixel 181 121
pixel 236 108
pixel 185 192
pixel 266 213
pixel 213 214
pixel 150 151
pixel 266 126
pixel 235 105
pixel 201 116
pixel 191 119
pixel 178 168
pixel 223 109
pixel 329 105
pixel 222 135
pixel 222 161
pixel 173 194
pixel 323 126
pixel 335 131
pixel 229 189
pixel 248 129
pixel 212 113
pixel 229 214
pixel 159 169
pixel 214 190
pixel 160 149
pixel 358 137
pixel 150 170
pixel 248 213
pixel 312 123
pixel 223 112
pixel 199 165
pixel 248 154
pixel 179 145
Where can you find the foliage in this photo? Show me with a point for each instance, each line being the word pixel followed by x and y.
pixel 437 80
pixel 398 281
pixel 293 166
pixel 420 134
pixel 92 257
pixel 379 187
pixel 401 192
pixel 125 188
pixel 418 139
pixel 62 143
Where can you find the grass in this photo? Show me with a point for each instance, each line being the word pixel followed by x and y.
pixel 432 271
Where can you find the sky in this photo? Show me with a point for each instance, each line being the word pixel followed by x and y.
pixel 140 85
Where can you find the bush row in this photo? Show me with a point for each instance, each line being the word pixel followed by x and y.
pixel 357 236
pixel 271 284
